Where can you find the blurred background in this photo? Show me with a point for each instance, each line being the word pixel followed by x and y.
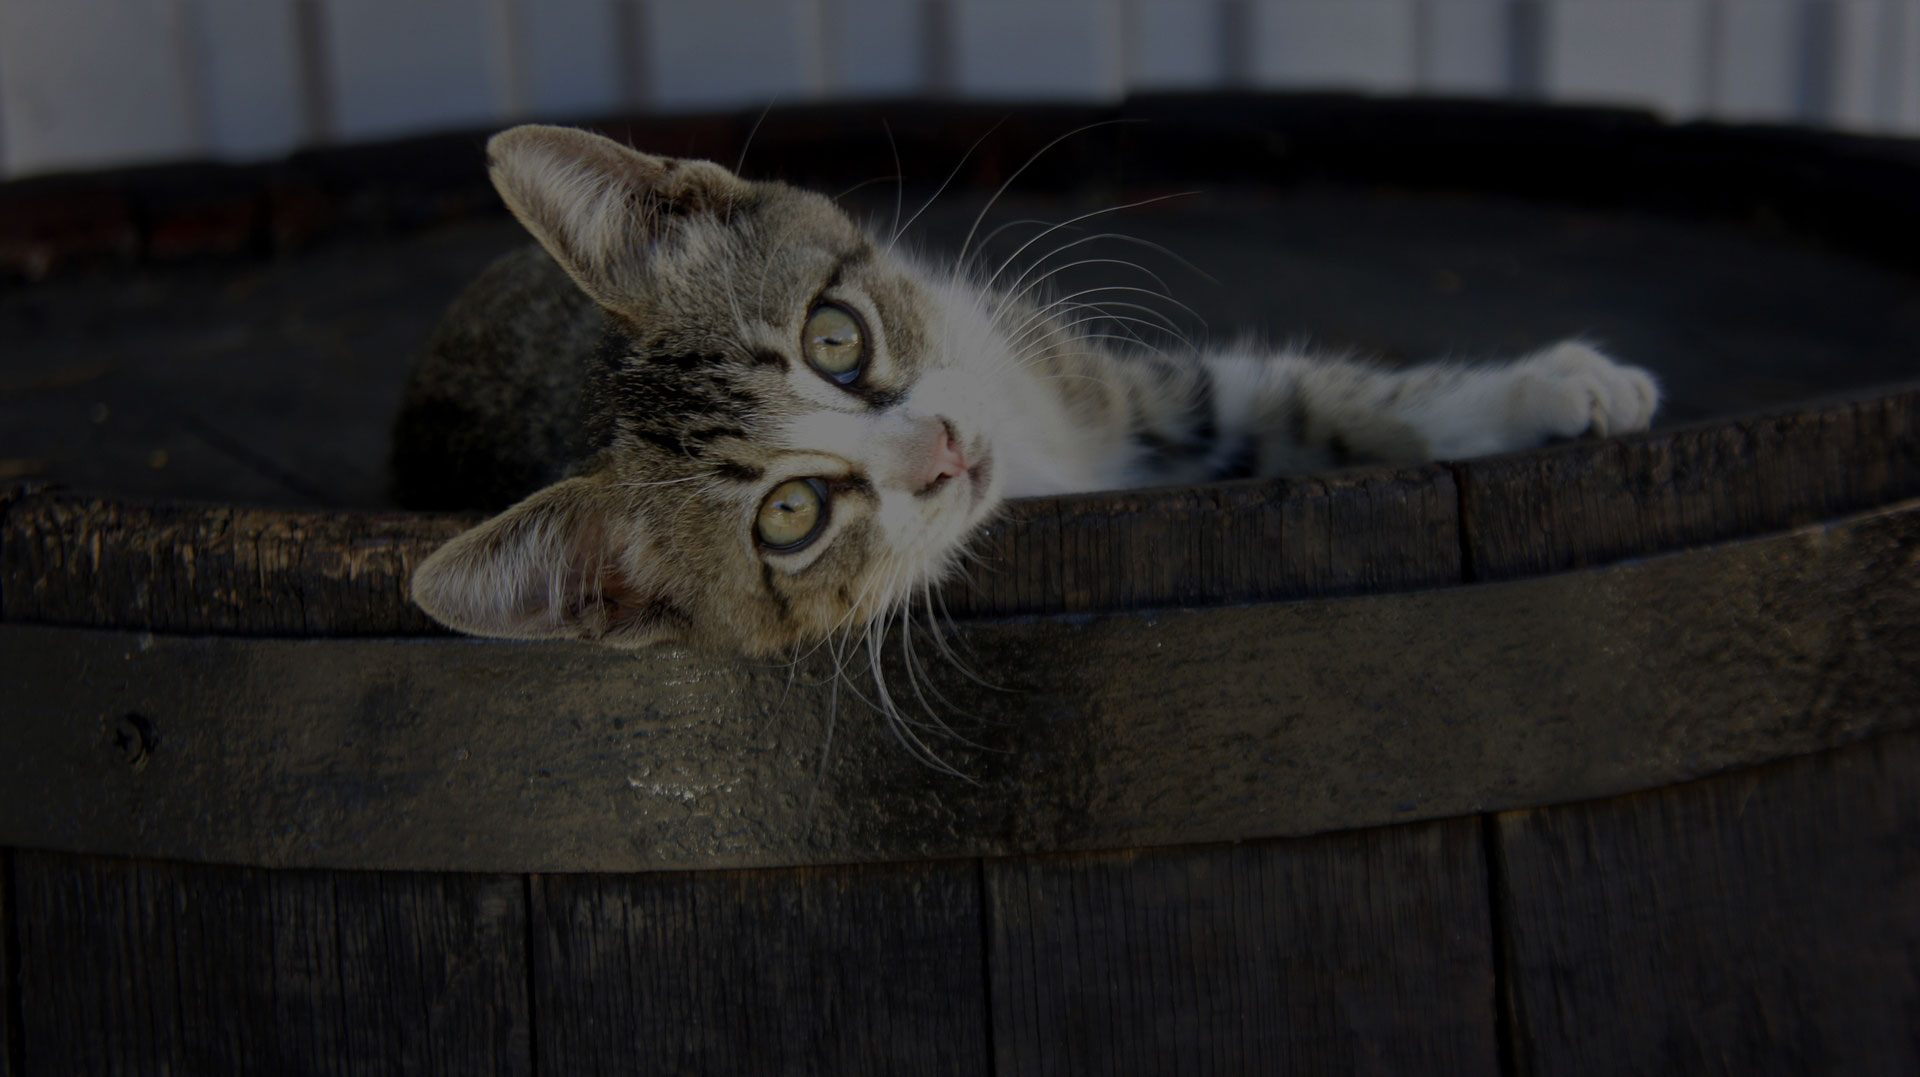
pixel 98 83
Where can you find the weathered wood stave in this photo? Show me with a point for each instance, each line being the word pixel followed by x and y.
pixel 1159 647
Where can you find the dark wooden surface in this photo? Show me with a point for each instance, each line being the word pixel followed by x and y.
pixel 9 970
pixel 274 383
pixel 1595 502
pixel 830 970
pixel 138 967
pixel 1766 922
pixel 1363 532
pixel 1119 730
pixel 77 559
pixel 1358 953
pixel 1763 921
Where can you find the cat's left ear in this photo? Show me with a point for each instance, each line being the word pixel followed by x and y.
pixel 563 564
pixel 601 208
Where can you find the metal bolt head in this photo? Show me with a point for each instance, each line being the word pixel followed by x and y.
pixel 132 737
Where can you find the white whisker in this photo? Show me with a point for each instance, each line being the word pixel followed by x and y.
pixel 958 165
pixel 1018 172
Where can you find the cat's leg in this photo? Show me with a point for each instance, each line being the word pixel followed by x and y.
pixel 1305 413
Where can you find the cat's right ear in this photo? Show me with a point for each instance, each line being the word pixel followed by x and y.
pixel 563 564
pixel 601 208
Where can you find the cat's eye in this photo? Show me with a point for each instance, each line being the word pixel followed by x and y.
pixel 792 515
pixel 833 343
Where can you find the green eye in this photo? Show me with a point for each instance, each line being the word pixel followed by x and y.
pixel 833 343
pixel 792 514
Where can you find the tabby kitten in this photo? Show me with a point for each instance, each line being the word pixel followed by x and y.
pixel 739 421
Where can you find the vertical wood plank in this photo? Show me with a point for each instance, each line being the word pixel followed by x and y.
pixel 1649 53
pixel 568 56
pixel 809 970
pixel 1466 47
pixel 1173 44
pixel 417 66
pixel 875 48
pixel 86 83
pixel 1367 952
pixel 729 53
pixel 247 56
pixel 146 967
pixel 1762 922
pixel 9 1046
pixel 1066 50
pixel 1321 44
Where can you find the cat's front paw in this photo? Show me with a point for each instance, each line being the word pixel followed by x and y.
pixel 1571 390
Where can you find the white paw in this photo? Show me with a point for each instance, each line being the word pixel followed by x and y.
pixel 1570 390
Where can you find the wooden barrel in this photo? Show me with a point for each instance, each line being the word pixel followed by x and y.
pixel 1593 759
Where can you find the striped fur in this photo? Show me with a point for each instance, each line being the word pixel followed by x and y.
pixel 639 386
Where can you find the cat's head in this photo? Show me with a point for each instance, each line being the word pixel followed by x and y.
pixel 799 425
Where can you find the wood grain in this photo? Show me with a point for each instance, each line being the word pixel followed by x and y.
pixel 1353 953
pixel 9 996
pixel 75 559
pixel 82 560
pixel 807 971
pixel 142 967
pixel 1590 503
pixel 1154 728
pixel 1367 531
pixel 1763 922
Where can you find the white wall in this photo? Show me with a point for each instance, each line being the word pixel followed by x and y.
pixel 88 83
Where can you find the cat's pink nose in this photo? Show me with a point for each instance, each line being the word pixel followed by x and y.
pixel 948 461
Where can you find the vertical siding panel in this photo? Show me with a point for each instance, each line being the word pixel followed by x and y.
pixel 568 55
pixel 1760 65
pixel 874 47
pixel 1334 43
pixel 1904 113
pixel 414 66
pixel 1873 54
pixel 1857 64
pixel 729 53
pixel 246 52
pixel 6 168
pixel 94 82
pixel 1631 52
pixel 1022 49
pixel 1467 47
pixel 1174 43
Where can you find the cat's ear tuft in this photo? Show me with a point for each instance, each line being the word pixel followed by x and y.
pixel 559 565
pixel 601 208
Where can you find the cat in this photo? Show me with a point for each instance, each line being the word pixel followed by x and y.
pixel 728 417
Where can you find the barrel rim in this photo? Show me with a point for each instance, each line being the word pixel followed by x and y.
pixel 1116 731
pixel 1844 187
pixel 77 559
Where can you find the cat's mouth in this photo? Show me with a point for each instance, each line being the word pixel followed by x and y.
pixel 951 462
pixel 980 475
